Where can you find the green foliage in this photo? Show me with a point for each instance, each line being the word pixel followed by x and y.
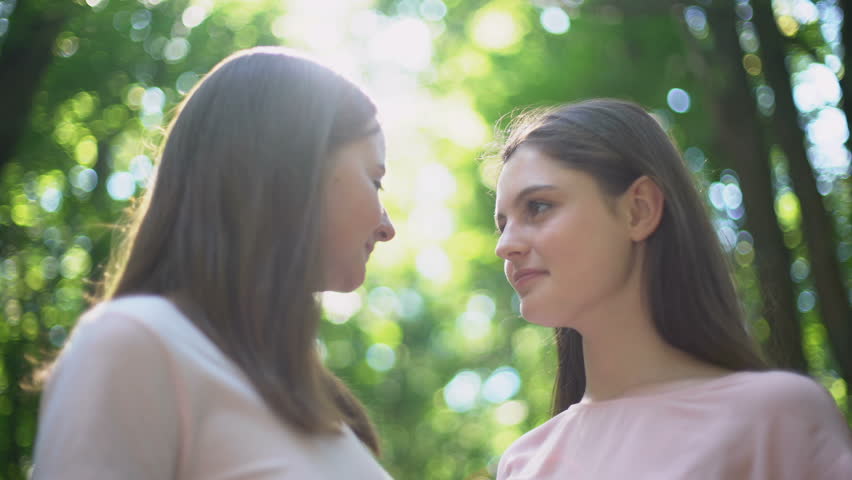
pixel 425 348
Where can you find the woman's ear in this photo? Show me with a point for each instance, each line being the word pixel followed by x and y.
pixel 645 204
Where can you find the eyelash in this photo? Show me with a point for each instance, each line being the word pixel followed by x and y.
pixel 378 184
pixel 534 207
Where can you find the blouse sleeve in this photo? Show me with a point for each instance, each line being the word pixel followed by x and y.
pixel 109 409
pixel 833 441
pixel 810 439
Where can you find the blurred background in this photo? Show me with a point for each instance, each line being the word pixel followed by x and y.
pixel 752 92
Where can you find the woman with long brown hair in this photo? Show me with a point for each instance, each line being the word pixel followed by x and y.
pixel 199 360
pixel 606 239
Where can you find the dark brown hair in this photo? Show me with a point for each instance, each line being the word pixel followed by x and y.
pixel 230 227
pixel 693 300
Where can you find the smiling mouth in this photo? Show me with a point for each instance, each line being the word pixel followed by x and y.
pixel 523 279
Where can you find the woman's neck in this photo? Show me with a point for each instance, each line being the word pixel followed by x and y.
pixel 623 352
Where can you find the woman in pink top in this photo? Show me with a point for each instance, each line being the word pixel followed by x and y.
pixel 200 359
pixel 606 239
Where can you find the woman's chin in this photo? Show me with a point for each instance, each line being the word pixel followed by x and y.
pixel 540 316
pixel 346 283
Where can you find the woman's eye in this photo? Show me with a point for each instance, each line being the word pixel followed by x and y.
pixel 378 184
pixel 535 207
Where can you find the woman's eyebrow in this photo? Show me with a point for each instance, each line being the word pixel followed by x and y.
pixel 523 194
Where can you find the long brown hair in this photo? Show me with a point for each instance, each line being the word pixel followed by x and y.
pixel 694 304
pixel 230 227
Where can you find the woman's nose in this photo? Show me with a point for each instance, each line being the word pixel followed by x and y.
pixel 386 230
pixel 510 244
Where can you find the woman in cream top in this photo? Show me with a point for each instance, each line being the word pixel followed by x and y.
pixel 141 393
pixel 199 360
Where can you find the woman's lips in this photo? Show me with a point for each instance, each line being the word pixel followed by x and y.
pixel 522 278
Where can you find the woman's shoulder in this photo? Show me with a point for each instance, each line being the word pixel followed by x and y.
pixel 116 322
pixel 140 322
pixel 798 415
pixel 781 386
pixel 126 316
pixel 528 443
pixel 144 310
pixel 776 393
pixel 109 344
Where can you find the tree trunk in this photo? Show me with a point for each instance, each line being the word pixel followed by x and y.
pixel 817 224
pixel 846 81
pixel 26 54
pixel 741 138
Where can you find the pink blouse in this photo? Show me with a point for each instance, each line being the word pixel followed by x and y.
pixel 748 425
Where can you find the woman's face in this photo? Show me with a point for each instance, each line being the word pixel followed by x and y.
pixel 354 218
pixel 566 246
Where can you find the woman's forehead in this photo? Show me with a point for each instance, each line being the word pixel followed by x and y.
pixel 526 166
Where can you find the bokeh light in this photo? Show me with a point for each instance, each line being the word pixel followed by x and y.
pixel 51 199
pixel 765 99
pixel 828 127
pixel 75 263
pixel 384 301
pixel 380 357
pixel 555 20
pixel 732 196
pixel 696 21
pixel 806 301
pixel 461 393
pixel 744 11
pixel 186 81
pixel 176 50
pixel 788 209
pixel 153 100
pixel 434 264
pixel 800 269
pixel 716 195
pixel 411 303
pixel 830 159
pixel 6 9
pixel 511 413
pixel 141 167
pixel 433 10
pixel 815 87
pixel 340 307
pixel 86 151
pixel 502 385
pixel 193 16
pixel 121 185
pixel 483 304
pixel 678 100
pixel 405 42
pixel 82 178
pixel 695 158
pixel 804 11
pixel 474 325
pixel 431 221
pixel 495 29
pixel 140 19
pixel 727 233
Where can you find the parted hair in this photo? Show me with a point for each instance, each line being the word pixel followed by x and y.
pixel 229 229
pixel 687 277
